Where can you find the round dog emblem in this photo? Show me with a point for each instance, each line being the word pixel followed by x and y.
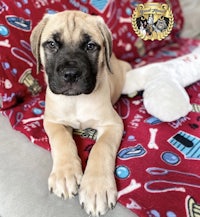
pixel 152 21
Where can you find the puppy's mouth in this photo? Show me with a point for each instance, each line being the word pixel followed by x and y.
pixel 70 91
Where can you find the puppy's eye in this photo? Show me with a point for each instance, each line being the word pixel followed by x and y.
pixel 91 46
pixel 51 45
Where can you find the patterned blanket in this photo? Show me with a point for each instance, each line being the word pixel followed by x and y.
pixel 157 165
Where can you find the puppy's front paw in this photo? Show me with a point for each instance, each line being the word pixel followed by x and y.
pixel 97 194
pixel 65 179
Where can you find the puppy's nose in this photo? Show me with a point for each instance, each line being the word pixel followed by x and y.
pixel 72 63
pixel 71 74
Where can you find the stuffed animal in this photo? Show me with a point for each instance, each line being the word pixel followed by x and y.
pixel 163 83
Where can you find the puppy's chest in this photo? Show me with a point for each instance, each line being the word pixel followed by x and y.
pixel 76 115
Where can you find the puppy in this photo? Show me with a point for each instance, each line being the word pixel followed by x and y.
pixel 84 79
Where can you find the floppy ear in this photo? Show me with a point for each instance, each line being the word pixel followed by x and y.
pixel 35 40
pixel 107 40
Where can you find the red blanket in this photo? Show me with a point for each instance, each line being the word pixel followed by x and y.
pixel 157 166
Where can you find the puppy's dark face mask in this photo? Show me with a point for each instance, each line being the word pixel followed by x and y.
pixel 71 68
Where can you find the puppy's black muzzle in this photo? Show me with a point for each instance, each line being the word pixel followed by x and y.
pixel 71 77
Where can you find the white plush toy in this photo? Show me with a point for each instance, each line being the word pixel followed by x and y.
pixel 163 83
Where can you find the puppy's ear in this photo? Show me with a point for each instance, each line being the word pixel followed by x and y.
pixel 35 40
pixel 107 40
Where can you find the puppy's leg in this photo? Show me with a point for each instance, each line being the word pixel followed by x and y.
pixel 98 190
pixel 67 171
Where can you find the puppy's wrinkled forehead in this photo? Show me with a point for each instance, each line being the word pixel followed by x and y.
pixel 71 28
